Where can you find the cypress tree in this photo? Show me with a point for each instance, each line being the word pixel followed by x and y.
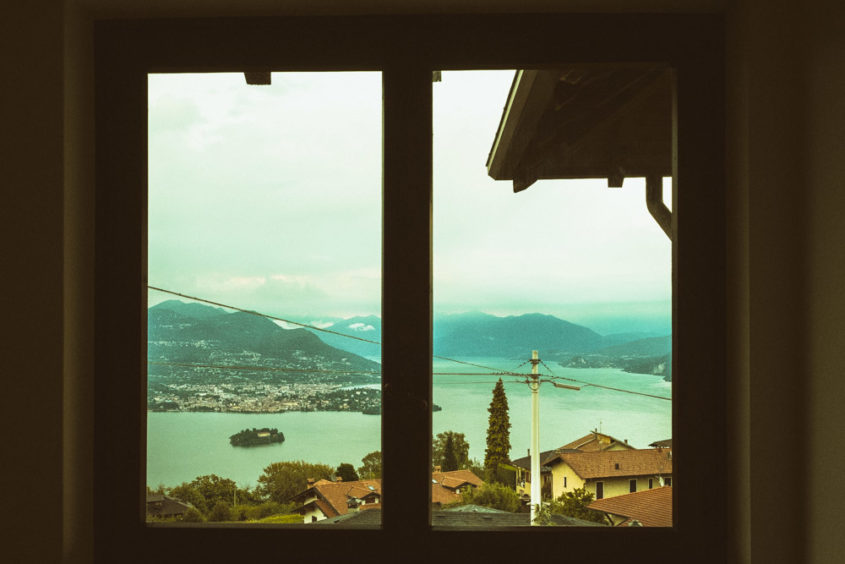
pixel 498 433
pixel 450 457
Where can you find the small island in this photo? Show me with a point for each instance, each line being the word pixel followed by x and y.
pixel 255 437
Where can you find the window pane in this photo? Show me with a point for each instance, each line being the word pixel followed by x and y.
pixel 264 233
pixel 569 269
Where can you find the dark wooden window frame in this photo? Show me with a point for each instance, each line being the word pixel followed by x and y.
pixel 406 50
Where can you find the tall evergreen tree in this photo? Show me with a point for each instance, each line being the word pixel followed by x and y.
pixel 450 456
pixel 498 433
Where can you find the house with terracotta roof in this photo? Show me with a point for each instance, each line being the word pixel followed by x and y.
pixel 325 499
pixel 649 508
pixel 591 442
pixel 447 487
pixel 610 473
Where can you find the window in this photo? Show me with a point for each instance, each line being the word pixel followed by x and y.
pixel 667 481
pixel 534 271
pixel 650 483
pixel 232 167
pixel 406 50
pixel 599 490
pixel 632 486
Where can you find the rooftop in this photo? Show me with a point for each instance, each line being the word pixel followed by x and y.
pixel 616 463
pixel 652 508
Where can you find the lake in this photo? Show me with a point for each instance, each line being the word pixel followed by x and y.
pixel 182 446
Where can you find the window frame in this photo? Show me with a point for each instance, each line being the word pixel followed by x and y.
pixel 406 49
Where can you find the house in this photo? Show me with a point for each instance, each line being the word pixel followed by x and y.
pixel 447 487
pixel 649 508
pixel 610 473
pixel 665 443
pixel 161 506
pixel 591 442
pixel 325 499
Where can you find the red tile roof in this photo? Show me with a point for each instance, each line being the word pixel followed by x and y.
pixel 335 495
pixel 445 484
pixel 456 478
pixel 616 463
pixel 652 508
pixel 332 497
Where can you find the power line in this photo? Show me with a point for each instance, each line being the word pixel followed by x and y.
pixel 492 371
pixel 251 312
pixel 305 325
pixel 611 388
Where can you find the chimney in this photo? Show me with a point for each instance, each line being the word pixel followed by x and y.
pixel 310 481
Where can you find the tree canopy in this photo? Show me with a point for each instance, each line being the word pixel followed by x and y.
pixel 205 491
pixel 460 448
pixel 280 481
pixel 347 472
pixel 370 466
pixel 574 504
pixel 498 433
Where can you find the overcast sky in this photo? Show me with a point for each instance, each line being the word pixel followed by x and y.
pixel 268 197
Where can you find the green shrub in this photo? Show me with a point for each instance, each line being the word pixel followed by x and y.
pixel 221 511
pixel 193 516
pixel 497 496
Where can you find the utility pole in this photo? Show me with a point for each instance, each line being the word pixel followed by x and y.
pixel 534 384
pixel 536 477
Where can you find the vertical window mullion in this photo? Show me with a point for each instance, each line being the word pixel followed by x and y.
pixel 406 301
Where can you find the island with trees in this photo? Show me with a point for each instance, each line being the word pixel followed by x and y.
pixel 255 437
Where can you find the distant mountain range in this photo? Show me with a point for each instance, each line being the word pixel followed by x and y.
pixel 191 332
pixel 202 330
pixel 484 335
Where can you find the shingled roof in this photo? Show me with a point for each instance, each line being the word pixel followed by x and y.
pixel 333 497
pixel 616 463
pixel 652 508
pixel 595 441
pixel 456 478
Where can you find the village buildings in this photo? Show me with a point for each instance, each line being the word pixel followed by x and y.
pixel 325 499
pixel 603 465
pixel 610 473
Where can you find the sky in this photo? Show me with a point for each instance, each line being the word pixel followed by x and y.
pixel 269 198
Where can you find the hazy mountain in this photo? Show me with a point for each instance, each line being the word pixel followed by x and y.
pixel 653 346
pixel 368 327
pixel 484 335
pixel 206 334
pixel 189 309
